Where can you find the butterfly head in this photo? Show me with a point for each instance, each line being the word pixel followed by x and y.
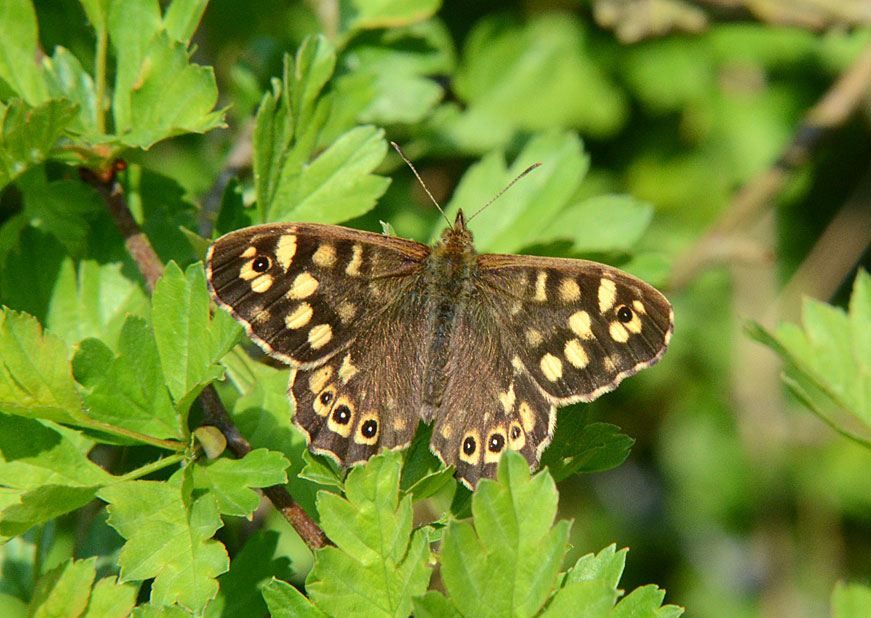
pixel 457 239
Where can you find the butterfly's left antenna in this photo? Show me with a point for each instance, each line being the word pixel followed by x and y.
pixel 510 184
pixel 420 180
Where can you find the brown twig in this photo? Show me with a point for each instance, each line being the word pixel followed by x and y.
pixel 214 412
pixel 836 106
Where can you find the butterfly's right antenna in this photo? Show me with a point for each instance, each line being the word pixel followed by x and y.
pixel 420 180
pixel 510 184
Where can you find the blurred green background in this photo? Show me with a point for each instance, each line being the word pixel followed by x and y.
pixel 735 499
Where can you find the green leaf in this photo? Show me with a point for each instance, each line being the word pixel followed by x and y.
pixel 33 455
pixel 18 49
pixel 231 480
pixel 434 605
pixel 182 18
pixel 828 364
pixel 851 600
pixel 35 376
pixel 128 390
pixel 525 212
pixel 375 568
pixel 186 338
pixel 607 565
pixel 338 184
pixel 318 469
pixel 158 611
pixel 94 302
pixel 603 223
pixel 21 509
pixel 110 599
pixel 643 602
pixel 66 78
pixel 580 447
pixel 170 96
pixel 285 601
pixel 360 14
pixel 30 272
pixel 251 571
pixel 168 536
pixel 507 564
pixel 584 599
pixel 29 132
pixel 64 591
pixel 290 117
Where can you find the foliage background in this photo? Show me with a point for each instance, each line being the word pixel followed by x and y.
pixel 734 498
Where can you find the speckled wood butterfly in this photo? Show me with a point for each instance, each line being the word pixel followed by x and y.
pixel 381 332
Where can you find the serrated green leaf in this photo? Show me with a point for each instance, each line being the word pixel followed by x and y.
pixel 130 391
pixel 580 447
pixel 434 605
pixel 371 530
pixel 524 213
pixel 94 302
pixel 584 599
pixel 508 563
pixel 18 48
pixel 23 509
pixel 33 455
pixel 285 601
pixel 338 184
pixel 607 565
pixel 64 591
pixel 169 538
pixel 35 376
pixel 602 223
pixel 109 599
pixel 251 571
pixel 643 602
pixel 318 470
pixel 28 133
pixel 184 333
pixel 828 362
pixel 66 78
pixel 851 600
pixel 170 97
pixel 231 480
pixel 422 473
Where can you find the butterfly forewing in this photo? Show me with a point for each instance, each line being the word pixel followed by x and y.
pixel 300 288
pixel 578 327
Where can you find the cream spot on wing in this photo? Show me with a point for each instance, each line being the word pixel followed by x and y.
pixel 319 379
pixel 540 290
pixel 575 354
pixel 299 317
pixel 261 284
pixel 249 252
pixel 580 324
pixel 618 332
pixel 325 256
pixel 319 336
pixel 634 325
pixel 639 307
pixel 534 337
pixel 346 310
pixel 348 370
pixel 517 363
pixel 285 250
pixel 399 423
pixel 446 431
pixel 303 286
pixel 609 365
pixel 569 290
pixel 551 367
pixel 507 399
pixel 515 307
pixel 261 316
pixel 607 294
pixel 527 417
pixel 247 271
pixel 353 268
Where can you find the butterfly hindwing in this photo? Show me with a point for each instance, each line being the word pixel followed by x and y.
pixel 299 288
pixel 578 327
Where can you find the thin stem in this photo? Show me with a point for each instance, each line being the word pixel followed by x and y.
pixel 100 78
pixel 147 469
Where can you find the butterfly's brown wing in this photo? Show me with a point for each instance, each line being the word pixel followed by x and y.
pixel 338 305
pixel 540 333
pixel 300 289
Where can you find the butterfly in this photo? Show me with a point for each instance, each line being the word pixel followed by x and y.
pixel 382 332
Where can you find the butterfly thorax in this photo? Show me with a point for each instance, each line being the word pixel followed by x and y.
pixel 448 276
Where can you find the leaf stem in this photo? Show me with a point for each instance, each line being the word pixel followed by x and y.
pixel 152 467
pixel 100 78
